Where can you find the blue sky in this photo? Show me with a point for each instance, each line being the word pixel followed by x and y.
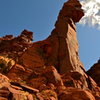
pixel 39 16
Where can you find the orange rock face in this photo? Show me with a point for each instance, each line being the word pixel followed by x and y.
pixel 75 94
pixel 48 69
pixel 65 31
pixel 94 72
pixel 13 47
pixel 60 49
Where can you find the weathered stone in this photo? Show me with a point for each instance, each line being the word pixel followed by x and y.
pixel 48 69
pixel 93 87
pixel 72 10
pixel 18 73
pixel 47 95
pixel 75 94
pixel 47 76
pixel 14 46
pixel 63 38
pixel 26 36
pixel 15 92
pixel 37 82
pixel 32 57
pixel 65 32
pixel 52 76
pixel 75 79
pixel 94 72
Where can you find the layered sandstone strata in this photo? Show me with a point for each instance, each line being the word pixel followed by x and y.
pixel 48 69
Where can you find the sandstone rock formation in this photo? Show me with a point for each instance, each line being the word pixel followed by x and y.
pixel 13 47
pixel 60 49
pixel 94 72
pixel 75 94
pixel 48 69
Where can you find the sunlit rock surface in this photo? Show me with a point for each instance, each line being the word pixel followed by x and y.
pixel 48 69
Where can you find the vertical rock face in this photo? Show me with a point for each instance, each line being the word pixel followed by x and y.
pixel 48 69
pixel 60 49
pixel 65 31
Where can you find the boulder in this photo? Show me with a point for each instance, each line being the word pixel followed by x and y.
pixel 11 92
pixel 75 94
pixel 75 79
pixel 52 76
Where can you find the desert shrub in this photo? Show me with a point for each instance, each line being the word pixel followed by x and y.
pixel 6 64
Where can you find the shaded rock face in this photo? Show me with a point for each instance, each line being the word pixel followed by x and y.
pixel 74 79
pixel 75 94
pixel 60 49
pixel 12 47
pixel 12 92
pixel 48 69
pixel 94 72
pixel 65 32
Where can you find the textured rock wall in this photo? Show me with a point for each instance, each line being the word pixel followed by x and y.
pixel 48 69
pixel 66 30
pixel 60 49
pixel 94 72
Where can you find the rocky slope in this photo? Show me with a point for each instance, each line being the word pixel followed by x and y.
pixel 48 69
pixel 94 72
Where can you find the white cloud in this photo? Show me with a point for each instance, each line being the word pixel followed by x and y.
pixel 92 13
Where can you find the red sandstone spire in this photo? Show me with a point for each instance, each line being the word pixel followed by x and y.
pixel 72 9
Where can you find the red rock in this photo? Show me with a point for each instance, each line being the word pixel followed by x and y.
pixel 75 79
pixel 65 30
pixel 47 95
pixel 4 87
pixel 12 92
pixel 8 37
pixel 2 98
pixel 94 72
pixel 27 35
pixel 4 93
pixel 51 68
pixel 75 94
pixel 72 10
pixel 63 38
pixel 15 46
pixel 32 57
pixel 37 82
pixel 93 87
pixel 47 76
pixel 18 73
pixel 52 76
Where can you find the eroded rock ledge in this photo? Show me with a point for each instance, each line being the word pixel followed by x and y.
pixel 48 69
